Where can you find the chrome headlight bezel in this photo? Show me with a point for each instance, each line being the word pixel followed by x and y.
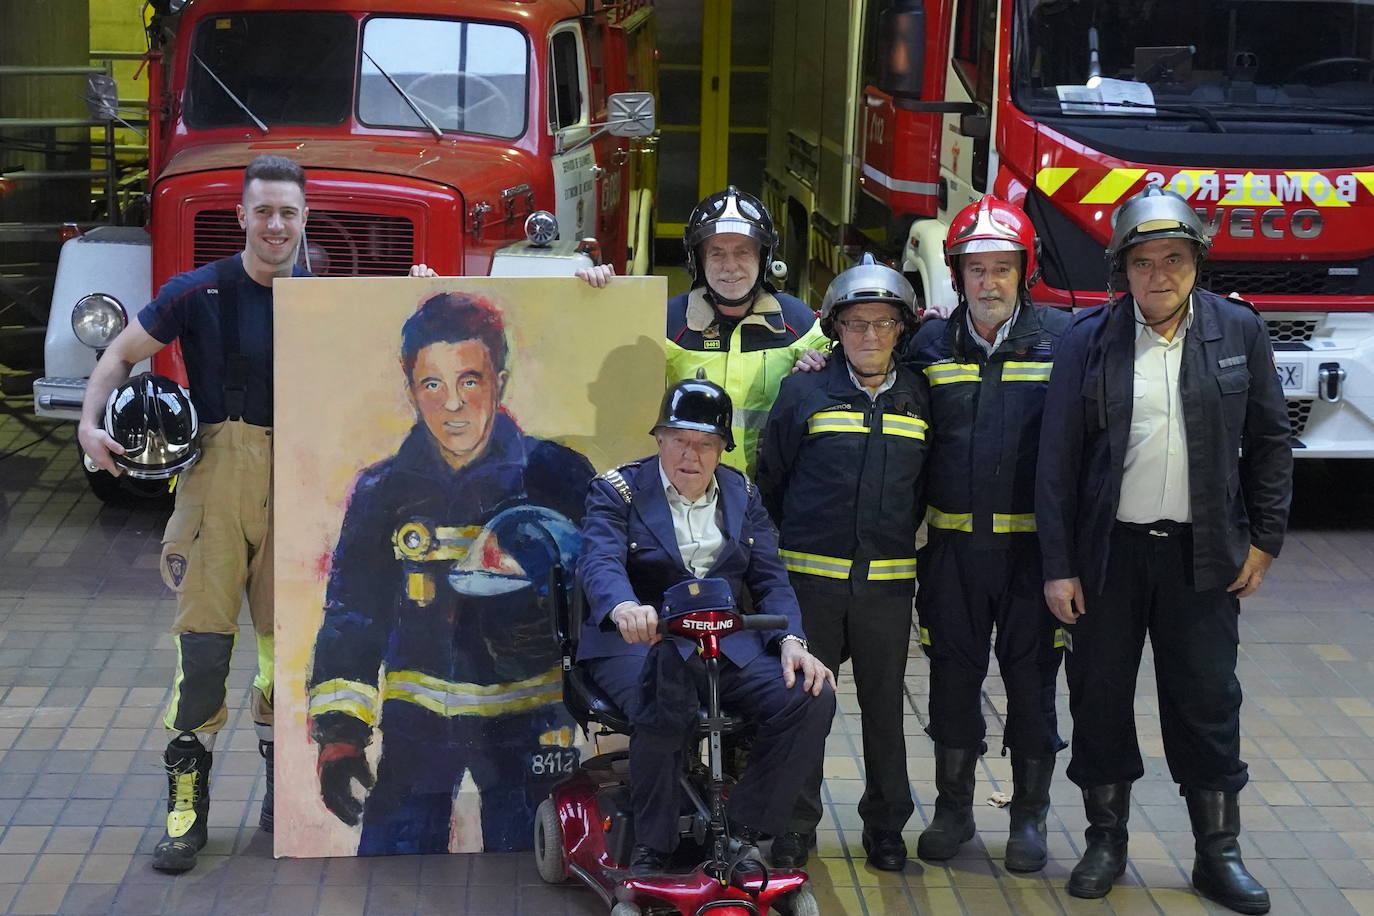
pixel 97 319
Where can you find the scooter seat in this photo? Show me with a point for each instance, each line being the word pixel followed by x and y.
pixel 587 702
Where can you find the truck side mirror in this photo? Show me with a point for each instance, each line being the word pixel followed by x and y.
pixel 976 125
pixel 630 114
pixel 102 97
pixel 901 49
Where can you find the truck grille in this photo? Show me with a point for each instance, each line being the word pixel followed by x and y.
pixel 1276 279
pixel 1291 330
pixel 1298 414
pixel 352 244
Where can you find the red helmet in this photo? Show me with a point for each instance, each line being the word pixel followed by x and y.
pixel 991 224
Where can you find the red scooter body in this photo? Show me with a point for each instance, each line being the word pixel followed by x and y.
pixel 585 828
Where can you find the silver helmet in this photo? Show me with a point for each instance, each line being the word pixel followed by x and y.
pixel 1154 213
pixel 867 281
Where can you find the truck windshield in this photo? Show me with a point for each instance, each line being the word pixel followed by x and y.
pixel 285 67
pixel 1289 60
pixel 465 76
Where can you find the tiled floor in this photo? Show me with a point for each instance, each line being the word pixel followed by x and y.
pixel 84 670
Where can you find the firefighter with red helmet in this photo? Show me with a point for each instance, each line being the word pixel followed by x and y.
pixel 840 471
pixel 733 322
pixel 988 366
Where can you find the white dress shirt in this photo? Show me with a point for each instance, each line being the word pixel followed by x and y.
pixel 990 347
pixel 1154 485
pixel 888 381
pixel 696 525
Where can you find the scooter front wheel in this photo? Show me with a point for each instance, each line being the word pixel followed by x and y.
pixel 549 858
pixel 802 903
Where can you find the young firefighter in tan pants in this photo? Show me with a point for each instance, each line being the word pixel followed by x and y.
pixel 218 542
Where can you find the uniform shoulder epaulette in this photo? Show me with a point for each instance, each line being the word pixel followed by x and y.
pixel 617 479
pixel 748 484
pixel 1239 300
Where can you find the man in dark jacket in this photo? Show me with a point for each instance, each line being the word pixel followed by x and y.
pixel 433 629
pixel 650 525
pixel 1163 495
pixel 841 473
pixel 988 366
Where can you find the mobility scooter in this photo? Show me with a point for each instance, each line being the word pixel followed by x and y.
pixel 585 829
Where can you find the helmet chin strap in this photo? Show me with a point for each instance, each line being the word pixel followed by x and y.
pixel 715 298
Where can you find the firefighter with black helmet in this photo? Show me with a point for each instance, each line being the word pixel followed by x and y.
pixel 217 548
pixel 734 323
pixel 651 525
pixel 841 470
pixel 1164 487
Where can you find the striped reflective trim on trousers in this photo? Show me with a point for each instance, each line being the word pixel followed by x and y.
pixel 950 521
pixel 1003 523
pixel 888 570
pixel 815 564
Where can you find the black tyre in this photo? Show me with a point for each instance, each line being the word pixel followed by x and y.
pixel 549 858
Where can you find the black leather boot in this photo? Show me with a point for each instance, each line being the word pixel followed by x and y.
pixel 1108 808
pixel 188 803
pixel 265 819
pixel 952 825
pixel 1218 871
pixel 1030 803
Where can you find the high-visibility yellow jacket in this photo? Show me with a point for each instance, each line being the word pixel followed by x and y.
pixel 749 359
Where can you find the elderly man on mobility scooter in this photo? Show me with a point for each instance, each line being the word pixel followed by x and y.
pixel 660 521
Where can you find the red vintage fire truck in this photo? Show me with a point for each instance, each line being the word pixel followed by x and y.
pixel 429 130
pixel 891 115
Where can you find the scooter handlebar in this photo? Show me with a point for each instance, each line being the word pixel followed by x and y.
pixel 764 622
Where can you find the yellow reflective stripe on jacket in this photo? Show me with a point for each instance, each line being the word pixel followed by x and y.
pixel 836 421
pixel 1015 371
pixel 947 373
pixel 895 424
pixel 1059 637
pixel 815 564
pixel 925 635
pixel 353 698
pixel 952 521
pixel 453 698
pixel 888 570
pixel 1013 524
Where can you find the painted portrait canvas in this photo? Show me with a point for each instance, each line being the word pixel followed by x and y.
pixel 434 440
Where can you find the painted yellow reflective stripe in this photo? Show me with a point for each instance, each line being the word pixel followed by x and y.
pixel 1013 524
pixel 888 570
pixel 1112 186
pixel 952 521
pixel 925 635
pixel 895 424
pixel 814 564
pixel 948 373
pixel 454 698
pixel 1018 371
pixel 1059 637
pixel 836 421
pixel 353 698
pixel 1052 178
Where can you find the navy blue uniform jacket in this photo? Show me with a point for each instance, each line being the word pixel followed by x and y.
pixel 1240 463
pixel 629 553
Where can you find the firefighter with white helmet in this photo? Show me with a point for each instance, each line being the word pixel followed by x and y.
pixel 1164 485
pixel 841 473
pixel 733 322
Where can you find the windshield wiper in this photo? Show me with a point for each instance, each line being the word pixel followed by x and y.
pixel 229 92
pixel 1202 112
pixel 438 134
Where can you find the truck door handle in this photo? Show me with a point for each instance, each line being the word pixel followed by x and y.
pixel 596 171
pixel 1330 380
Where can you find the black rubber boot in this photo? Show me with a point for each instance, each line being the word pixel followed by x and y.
pixel 1108 808
pixel 1030 803
pixel 952 825
pixel 267 750
pixel 188 804
pixel 1218 871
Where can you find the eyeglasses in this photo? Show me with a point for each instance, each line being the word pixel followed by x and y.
pixel 880 326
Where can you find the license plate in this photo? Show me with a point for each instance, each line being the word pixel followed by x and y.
pixel 1290 376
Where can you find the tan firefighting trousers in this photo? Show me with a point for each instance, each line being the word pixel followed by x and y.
pixel 217 546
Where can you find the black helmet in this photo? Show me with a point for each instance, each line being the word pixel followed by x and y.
pixel 155 421
pixel 731 210
pixel 698 404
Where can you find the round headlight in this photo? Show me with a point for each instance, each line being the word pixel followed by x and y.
pixel 97 320
pixel 541 228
